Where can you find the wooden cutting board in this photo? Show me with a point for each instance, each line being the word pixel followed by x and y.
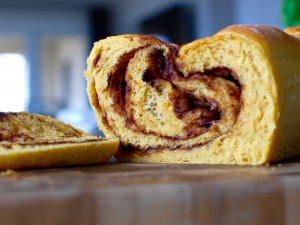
pixel 152 194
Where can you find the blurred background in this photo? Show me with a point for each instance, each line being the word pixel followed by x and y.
pixel 44 43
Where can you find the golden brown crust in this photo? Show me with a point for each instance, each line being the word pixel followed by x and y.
pixel 221 99
pixel 294 31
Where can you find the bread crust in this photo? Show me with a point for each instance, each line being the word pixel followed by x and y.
pixel 294 31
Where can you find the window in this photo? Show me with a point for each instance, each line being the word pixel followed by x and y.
pixel 13 82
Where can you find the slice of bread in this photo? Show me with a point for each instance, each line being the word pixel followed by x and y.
pixel 30 140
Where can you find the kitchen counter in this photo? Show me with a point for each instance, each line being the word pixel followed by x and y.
pixel 118 193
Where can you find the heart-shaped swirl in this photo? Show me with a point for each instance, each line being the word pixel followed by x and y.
pixel 151 96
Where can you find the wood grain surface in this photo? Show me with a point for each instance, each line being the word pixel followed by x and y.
pixel 152 194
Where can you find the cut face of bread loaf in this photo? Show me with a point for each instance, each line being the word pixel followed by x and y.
pixel 30 140
pixel 230 98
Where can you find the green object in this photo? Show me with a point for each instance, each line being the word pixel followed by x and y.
pixel 290 13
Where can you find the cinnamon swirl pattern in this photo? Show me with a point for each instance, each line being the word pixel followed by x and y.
pixel 230 98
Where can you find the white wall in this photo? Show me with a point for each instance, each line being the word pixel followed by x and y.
pixel 259 12
pixel 213 15
pixel 128 14
pixel 36 24
pixel 57 53
pixel 210 15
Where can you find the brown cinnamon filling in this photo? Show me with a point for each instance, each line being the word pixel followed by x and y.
pixel 24 127
pixel 4 115
pixel 202 111
pixel 117 84
pixel 185 102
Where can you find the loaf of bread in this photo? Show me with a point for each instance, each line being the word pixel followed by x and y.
pixel 30 140
pixel 232 98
